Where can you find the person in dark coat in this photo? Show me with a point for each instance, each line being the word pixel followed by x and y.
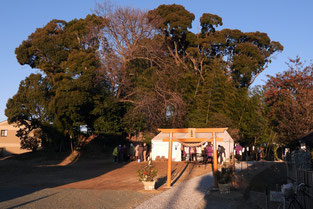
pixel 221 153
pixel 140 149
pixel 120 154
pixel 125 153
pixel 204 155
pixel 131 152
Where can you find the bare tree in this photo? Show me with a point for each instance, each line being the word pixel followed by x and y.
pixel 123 32
pixel 128 36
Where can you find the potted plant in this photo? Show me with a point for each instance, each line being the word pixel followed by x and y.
pixel 224 178
pixel 147 175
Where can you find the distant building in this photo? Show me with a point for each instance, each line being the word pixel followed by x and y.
pixel 8 139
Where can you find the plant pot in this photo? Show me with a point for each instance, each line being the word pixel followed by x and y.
pixel 224 188
pixel 149 185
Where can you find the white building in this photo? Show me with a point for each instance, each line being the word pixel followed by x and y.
pixel 160 148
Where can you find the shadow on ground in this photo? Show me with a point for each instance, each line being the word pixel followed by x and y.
pixel 30 172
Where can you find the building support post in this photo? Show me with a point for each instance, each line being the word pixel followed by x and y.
pixel 169 161
pixel 215 160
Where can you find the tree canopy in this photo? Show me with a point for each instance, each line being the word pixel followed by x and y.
pixel 289 96
pixel 122 71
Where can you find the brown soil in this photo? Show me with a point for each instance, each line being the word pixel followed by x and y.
pixel 125 177
pixel 33 173
pixel 29 175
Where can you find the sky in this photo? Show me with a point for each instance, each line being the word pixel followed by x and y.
pixel 288 21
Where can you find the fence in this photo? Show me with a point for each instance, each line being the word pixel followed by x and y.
pixel 299 176
pixel 306 177
pixel 291 172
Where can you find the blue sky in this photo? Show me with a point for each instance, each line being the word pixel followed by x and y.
pixel 286 21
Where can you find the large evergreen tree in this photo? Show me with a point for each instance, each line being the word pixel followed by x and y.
pixel 124 70
pixel 218 66
pixel 66 55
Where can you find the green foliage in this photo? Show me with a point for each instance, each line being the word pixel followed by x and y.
pixel 208 21
pixel 108 116
pixel 158 75
pixel 175 18
pixel 65 53
pixel 28 109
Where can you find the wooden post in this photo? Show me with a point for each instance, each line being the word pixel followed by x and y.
pixel 194 139
pixel 169 161
pixel 215 160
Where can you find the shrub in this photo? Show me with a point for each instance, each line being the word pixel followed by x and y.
pixel 147 173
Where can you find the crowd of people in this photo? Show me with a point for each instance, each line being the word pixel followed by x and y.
pixel 123 153
pixel 249 153
pixel 140 152
pixel 240 153
pixel 206 153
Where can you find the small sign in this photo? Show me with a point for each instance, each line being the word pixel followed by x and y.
pixel 192 132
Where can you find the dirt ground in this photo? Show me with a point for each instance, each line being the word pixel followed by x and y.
pixel 124 177
pixel 110 185
pixel 29 174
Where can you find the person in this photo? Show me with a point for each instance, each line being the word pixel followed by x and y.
pixel 120 153
pixel 210 153
pixel 115 154
pixel 182 152
pixel 131 151
pixel 238 151
pixel 125 153
pixel 137 152
pixel 140 152
pixel 220 154
pixel 195 153
pixel 204 155
pixel 145 150
pixel 192 154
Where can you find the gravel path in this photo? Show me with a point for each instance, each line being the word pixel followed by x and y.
pixel 185 195
pixel 189 194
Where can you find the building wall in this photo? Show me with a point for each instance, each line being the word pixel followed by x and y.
pixel 160 148
pixel 10 142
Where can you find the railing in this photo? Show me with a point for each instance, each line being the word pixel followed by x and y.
pixel 291 172
pixel 306 177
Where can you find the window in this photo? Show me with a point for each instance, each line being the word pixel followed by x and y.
pixel 4 133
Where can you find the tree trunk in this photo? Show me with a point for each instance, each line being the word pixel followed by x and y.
pixel 275 153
